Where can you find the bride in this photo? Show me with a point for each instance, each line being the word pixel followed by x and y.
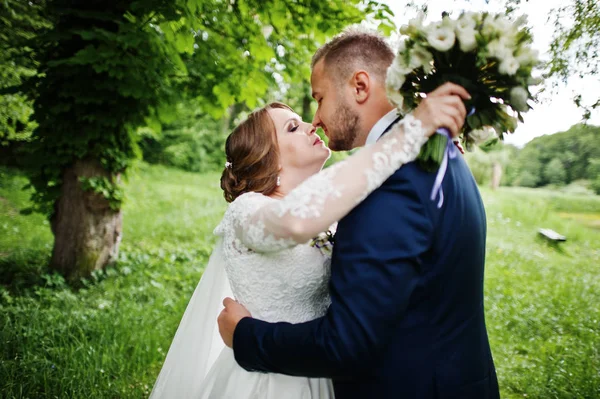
pixel 265 256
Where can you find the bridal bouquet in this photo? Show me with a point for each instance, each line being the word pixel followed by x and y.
pixel 488 54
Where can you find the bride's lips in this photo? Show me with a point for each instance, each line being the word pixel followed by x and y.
pixel 318 141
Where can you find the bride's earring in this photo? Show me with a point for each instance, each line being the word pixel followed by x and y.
pixel 278 181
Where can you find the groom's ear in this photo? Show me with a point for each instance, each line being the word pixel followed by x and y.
pixel 361 86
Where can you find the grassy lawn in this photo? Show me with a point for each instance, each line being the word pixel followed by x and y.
pixel 108 339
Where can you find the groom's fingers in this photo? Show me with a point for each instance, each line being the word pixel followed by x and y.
pixel 228 301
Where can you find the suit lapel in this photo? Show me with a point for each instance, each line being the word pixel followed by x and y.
pixel 387 129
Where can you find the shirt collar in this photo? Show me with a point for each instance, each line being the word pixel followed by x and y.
pixel 381 125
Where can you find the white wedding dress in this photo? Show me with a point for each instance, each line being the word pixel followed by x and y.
pixel 264 259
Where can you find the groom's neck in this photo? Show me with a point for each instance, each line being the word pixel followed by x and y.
pixel 370 118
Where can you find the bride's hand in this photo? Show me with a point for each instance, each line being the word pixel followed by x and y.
pixel 229 319
pixel 443 107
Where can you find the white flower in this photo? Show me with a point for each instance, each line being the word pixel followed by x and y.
pixel 527 56
pixel 465 22
pixel 518 99
pixel 395 97
pixel 414 25
pixel 422 57
pixel 482 135
pixel 466 39
pixel 441 39
pixel 498 27
pixel 324 242
pixel 489 26
pixel 503 25
pixel 509 66
pixel 499 50
pixel 521 21
pixel 399 65
pixel 448 22
pixel 395 78
pixel 474 16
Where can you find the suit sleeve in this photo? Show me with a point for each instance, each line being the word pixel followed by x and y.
pixel 377 269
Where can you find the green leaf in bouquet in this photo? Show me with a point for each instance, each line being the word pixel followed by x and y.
pixel 432 153
pixel 474 121
pixel 486 119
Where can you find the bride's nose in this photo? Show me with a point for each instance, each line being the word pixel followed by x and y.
pixel 310 129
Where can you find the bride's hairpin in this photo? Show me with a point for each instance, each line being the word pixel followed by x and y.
pixel 228 165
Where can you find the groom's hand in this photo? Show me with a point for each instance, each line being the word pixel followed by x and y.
pixel 229 319
pixel 443 107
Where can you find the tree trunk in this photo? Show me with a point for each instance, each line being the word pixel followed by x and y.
pixel 496 175
pixel 87 232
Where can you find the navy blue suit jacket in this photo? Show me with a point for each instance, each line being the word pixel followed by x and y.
pixel 406 318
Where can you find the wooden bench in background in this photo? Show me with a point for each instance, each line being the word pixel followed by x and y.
pixel 552 235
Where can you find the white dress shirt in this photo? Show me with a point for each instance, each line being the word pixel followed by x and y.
pixel 381 125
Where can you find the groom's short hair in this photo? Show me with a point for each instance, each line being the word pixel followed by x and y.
pixel 355 48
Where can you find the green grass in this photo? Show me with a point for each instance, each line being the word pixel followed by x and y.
pixel 108 339
pixel 543 301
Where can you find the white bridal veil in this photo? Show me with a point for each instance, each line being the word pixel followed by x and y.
pixel 197 342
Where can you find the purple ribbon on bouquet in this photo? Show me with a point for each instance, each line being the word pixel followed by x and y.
pixel 450 153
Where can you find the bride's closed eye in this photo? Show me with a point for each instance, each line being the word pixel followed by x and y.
pixel 293 127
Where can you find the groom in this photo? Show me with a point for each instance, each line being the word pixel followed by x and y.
pixel 406 318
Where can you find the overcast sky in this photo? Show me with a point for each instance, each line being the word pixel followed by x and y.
pixel 557 112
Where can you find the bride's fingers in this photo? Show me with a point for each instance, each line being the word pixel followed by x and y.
pixel 458 118
pixel 451 89
pixel 456 103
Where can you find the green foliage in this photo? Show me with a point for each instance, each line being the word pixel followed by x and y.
pixel 574 48
pixel 480 164
pixel 596 186
pixel 482 159
pixel 574 149
pixel 527 179
pixel 109 338
pixel 555 173
pixel 594 174
pixel 19 22
pixel 104 72
pixel 106 187
pixel 194 141
pixel 246 49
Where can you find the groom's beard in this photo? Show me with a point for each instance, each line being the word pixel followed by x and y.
pixel 344 129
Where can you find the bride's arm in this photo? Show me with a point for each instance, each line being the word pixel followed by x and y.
pixel 329 195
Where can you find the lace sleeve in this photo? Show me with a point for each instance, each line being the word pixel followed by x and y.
pixel 329 195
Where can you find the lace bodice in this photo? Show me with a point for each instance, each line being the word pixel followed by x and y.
pixel 287 285
pixel 272 269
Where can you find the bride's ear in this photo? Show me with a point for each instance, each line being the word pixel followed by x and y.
pixel 361 86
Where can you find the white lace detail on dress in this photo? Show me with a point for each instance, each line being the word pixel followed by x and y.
pixel 308 200
pixel 271 268
pixel 283 282
pixel 329 195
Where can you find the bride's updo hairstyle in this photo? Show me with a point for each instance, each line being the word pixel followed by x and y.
pixel 252 155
